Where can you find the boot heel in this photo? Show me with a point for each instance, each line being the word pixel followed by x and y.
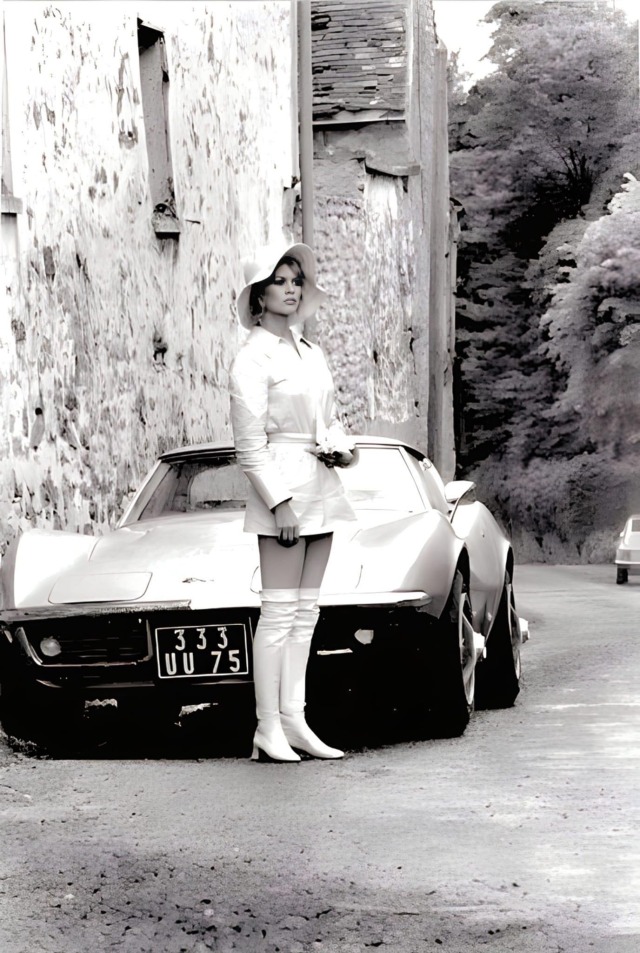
pixel 258 754
pixel 271 751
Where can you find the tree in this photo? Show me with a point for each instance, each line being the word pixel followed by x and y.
pixel 538 149
pixel 593 329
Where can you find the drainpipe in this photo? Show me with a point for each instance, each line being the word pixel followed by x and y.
pixel 305 119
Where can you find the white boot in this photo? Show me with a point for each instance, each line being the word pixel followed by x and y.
pixel 292 685
pixel 277 616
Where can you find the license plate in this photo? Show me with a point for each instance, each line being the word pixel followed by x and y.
pixel 197 651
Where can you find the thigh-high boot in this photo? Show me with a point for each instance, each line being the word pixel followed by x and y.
pixel 277 616
pixel 293 687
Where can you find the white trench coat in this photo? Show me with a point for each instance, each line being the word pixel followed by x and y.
pixel 282 403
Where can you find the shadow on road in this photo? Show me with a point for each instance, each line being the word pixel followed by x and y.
pixel 212 731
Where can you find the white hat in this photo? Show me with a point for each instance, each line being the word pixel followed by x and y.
pixel 264 263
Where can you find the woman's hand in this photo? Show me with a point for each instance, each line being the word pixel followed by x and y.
pixel 344 458
pixel 339 458
pixel 287 524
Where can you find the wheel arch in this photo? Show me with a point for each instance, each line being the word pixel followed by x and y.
pixel 463 566
pixel 510 563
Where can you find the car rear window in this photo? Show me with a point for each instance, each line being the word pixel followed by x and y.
pixel 382 480
pixel 189 486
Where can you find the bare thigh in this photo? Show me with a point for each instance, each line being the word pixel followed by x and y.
pixel 294 567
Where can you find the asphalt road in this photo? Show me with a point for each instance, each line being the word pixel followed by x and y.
pixel 523 835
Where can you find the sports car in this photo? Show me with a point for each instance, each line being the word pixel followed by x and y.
pixel 159 613
pixel 627 559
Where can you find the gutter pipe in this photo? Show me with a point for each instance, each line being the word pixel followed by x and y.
pixel 305 119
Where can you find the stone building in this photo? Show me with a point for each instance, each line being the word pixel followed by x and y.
pixel 382 225
pixel 147 147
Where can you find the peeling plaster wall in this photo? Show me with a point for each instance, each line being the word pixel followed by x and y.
pixel 364 240
pixel 382 234
pixel 114 344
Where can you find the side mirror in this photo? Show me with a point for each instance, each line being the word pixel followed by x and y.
pixel 455 490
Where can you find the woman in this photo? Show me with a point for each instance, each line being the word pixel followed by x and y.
pixel 288 441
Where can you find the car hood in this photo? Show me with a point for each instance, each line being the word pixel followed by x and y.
pixel 171 559
pixel 192 559
pixel 203 562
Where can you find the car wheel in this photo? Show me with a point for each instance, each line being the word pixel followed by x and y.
pixel 452 665
pixel 498 675
pixel 622 576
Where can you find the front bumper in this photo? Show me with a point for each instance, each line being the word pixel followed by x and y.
pixel 631 565
pixel 107 653
pixel 103 652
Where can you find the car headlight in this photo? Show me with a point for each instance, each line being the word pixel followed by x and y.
pixel 50 647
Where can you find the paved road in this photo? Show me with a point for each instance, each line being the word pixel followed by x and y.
pixel 521 836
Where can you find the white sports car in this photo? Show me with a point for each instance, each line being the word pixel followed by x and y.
pixel 417 599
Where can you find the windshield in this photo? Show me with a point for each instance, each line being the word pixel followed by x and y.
pixel 381 481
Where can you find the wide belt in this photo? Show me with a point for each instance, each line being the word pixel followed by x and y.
pixel 291 438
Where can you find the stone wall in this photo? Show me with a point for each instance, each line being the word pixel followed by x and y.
pixel 384 242
pixel 114 343
pixel 363 231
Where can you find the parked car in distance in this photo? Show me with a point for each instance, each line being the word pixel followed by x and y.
pixel 160 613
pixel 627 559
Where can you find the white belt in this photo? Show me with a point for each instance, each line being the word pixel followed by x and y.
pixel 291 438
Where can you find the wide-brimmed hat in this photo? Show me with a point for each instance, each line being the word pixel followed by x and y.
pixel 263 264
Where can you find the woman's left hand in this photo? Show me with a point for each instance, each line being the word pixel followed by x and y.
pixel 337 458
pixel 343 458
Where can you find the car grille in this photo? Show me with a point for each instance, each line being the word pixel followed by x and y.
pixel 92 640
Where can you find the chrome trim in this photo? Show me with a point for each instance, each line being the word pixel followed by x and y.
pixel 372 599
pixel 27 648
pixel 75 609
pixel 334 652
pixel 31 652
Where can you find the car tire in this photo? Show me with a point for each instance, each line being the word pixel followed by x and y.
pixel 498 674
pixel 622 576
pixel 452 665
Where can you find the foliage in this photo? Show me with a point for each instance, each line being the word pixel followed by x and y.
pixel 456 79
pixel 549 265
pixel 593 328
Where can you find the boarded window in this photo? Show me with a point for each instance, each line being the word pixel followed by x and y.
pixel 360 60
pixel 10 204
pixel 154 81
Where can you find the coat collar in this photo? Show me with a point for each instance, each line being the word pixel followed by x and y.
pixel 270 342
